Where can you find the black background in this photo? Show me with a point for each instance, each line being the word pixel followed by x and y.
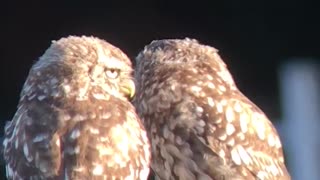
pixel 254 37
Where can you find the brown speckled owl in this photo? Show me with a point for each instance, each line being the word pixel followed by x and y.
pixel 201 127
pixel 74 120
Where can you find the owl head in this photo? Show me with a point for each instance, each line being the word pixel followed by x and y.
pixel 81 67
pixel 181 55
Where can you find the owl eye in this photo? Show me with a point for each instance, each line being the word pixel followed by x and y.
pixel 112 73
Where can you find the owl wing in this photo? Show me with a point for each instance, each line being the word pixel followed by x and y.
pixel 242 133
pixel 195 137
pixel 236 130
pixel 31 144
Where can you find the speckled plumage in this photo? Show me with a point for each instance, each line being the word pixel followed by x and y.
pixel 74 120
pixel 201 127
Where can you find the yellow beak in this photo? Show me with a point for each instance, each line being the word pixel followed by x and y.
pixel 129 88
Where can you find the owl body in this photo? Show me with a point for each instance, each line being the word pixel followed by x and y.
pixel 74 120
pixel 199 124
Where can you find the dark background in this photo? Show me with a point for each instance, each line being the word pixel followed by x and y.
pixel 254 37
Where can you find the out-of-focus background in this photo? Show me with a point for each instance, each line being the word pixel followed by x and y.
pixel 271 47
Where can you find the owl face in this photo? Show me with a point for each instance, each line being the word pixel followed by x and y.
pixel 91 69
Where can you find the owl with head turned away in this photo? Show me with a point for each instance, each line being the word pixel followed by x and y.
pixel 200 126
pixel 74 119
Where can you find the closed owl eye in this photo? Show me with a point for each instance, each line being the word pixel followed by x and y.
pixel 113 73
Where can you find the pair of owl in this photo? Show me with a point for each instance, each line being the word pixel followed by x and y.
pixel 187 120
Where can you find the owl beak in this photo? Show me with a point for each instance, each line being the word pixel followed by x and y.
pixel 129 88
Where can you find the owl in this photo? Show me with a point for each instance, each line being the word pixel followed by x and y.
pixel 200 126
pixel 74 119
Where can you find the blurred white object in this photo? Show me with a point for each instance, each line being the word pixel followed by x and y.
pixel 300 98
